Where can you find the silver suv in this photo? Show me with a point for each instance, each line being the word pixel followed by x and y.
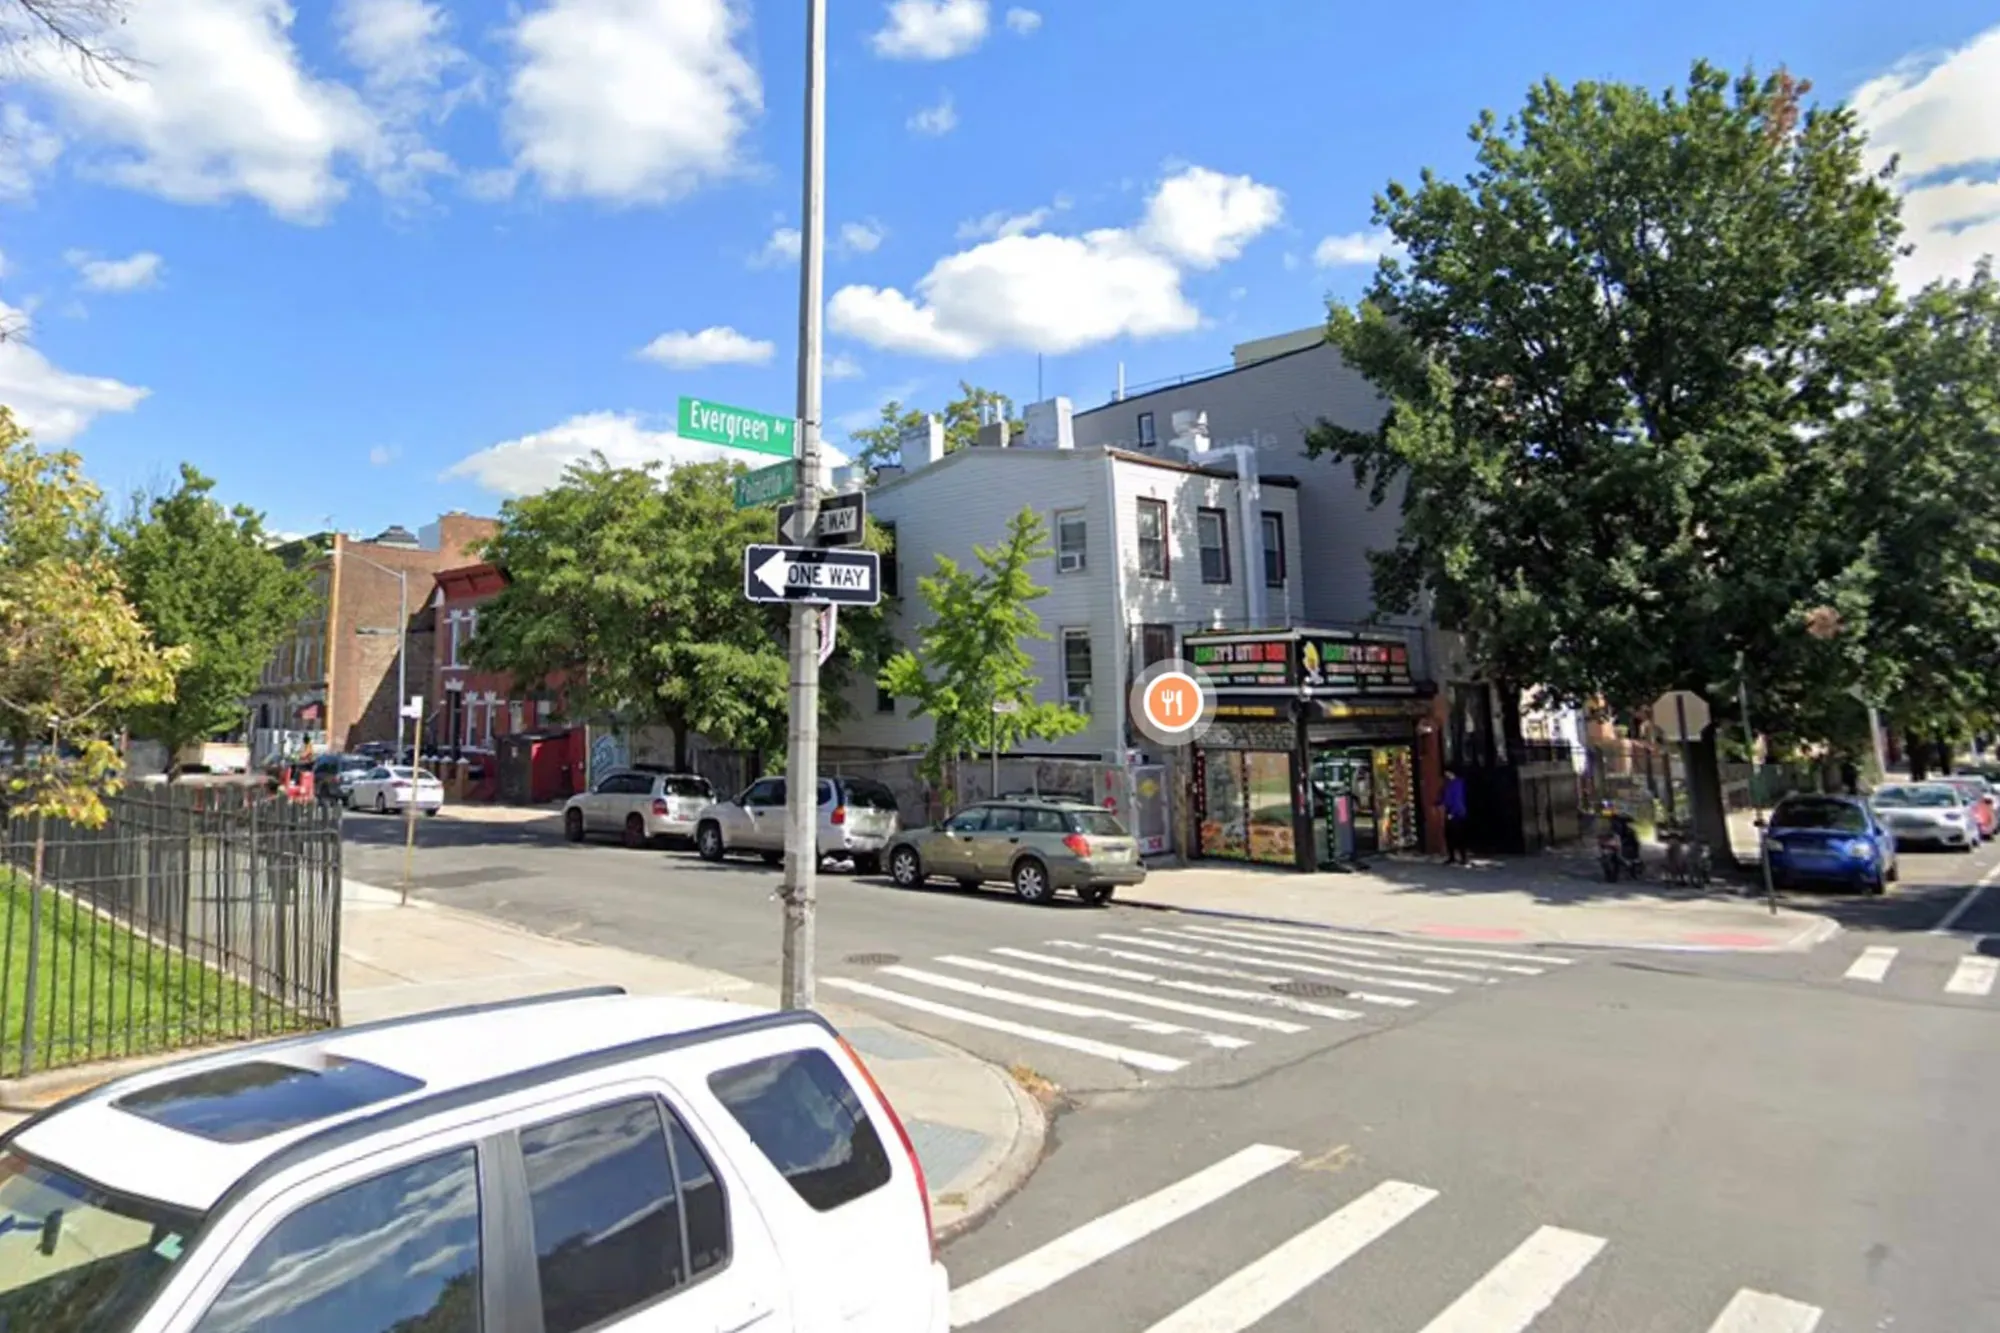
pixel 857 819
pixel 640 805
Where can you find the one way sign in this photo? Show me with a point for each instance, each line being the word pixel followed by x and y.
pixel 843 520
pixel 803 574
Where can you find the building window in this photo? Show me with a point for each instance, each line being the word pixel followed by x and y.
pixel 1147 439
pixel 1071 541
pixel 1274 550
pixel 1212 530
pixel 451 657
pixel 1076 669
pixel 891 572
pixel 1153 554
pixel 1156 644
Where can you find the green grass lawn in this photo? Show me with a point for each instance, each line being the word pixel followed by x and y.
pixel 104 992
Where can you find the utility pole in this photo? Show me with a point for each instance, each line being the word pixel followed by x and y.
pixel 802 766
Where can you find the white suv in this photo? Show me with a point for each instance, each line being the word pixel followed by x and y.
pixel 578 1161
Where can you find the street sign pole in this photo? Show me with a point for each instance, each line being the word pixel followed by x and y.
pixel 802 766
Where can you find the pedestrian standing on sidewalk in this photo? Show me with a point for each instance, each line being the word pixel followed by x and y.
pixel 1452 801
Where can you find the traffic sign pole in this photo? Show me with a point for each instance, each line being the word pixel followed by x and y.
pixel 802 766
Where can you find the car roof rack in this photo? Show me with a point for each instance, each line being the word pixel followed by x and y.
pixel 234 1054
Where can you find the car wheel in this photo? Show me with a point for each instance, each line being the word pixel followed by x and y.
pixel 1031 882
pixel 432 812
pixel 1875 888
pixel 708 842
pixel 635 832
pixel 381 804
pixel 1893 873
pixel 1096 896
pixel 573 824
pixel 905 868
pixel 868 863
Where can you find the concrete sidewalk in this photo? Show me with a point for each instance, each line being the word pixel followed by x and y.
pixel 1545 900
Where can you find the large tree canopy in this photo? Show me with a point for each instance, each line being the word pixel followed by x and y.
pixel 204 578
pixel 627 583
pixel 1616 357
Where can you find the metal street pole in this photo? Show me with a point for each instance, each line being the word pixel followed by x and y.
pixel 1756 805
pixel 802 767
pixel 993 749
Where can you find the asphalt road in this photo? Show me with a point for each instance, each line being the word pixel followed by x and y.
pixel 1619 1143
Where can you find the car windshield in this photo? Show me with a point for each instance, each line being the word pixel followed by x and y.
pixel 869 794
pixel 74 1259
pixel 403 774
pixel 1838 816
pixel 1918 798
pixel 1099 824
pixel 689 787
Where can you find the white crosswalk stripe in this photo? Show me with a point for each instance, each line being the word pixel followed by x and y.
pixel 1185 993
pixel 1510 1297
pixel 1974 975
pixel 1873 964
pixel 1544 960
pixel 1348 948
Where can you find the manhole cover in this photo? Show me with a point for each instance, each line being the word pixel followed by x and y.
pixel 872 959
pixel 1309 990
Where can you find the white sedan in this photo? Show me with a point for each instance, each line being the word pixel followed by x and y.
pixel 395 787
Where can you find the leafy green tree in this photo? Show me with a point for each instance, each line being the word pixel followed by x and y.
pixel 74 654
pixel 969 654
pixel 1615 357
pixel 627 584
pixel 202 577
pixel 875 445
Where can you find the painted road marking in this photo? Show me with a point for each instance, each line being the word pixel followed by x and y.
pixel 1223 956
pixel 1128 996
pixel 1285 1002
pixel 1421 953
pixel 1964 905
pixel 1323 953
pixel 1873 964
pixel 1425 947
pixel 1103 1050
pixel 1521 1286
pixel 1974 975
pixel 1152 1027
pixel 1105 1236
pixel 1276 952
pixel 1254 1291
pixel 1754 1312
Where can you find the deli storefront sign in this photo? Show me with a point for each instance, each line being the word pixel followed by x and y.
pixel 1324 663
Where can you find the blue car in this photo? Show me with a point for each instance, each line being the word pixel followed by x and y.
pixel 1835 840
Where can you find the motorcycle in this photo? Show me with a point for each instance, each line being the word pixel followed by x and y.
pixel 1618 848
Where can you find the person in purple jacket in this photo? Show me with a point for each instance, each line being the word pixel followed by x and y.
pixel 1452 801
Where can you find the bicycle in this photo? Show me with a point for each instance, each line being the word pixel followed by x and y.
pixel 1688 861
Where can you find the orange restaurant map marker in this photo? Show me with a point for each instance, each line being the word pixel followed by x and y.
pixel 1172 702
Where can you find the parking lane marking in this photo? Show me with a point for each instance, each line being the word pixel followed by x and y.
pixel 1964 905
pixel 1873 964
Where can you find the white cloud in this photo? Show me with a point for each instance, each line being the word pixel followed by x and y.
pixel 28 148
pixel 492 184
pixel 382 455
pixel 783 247
pixel 1023 22
pixel 1038 292
pixel 630 101
pixel 1940 116
pixel 1002 223
pixel 51 402
pixel 116 275
pixel 841 366
pixel 1203 217
pixel 1355 247
pixel 931 29
pixel 222 109
pixel 406 55
pixel 935 121
pixel 535 462
pixel 718 346
pixel 862 238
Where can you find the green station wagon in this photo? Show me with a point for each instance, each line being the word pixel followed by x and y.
pixel 1038 845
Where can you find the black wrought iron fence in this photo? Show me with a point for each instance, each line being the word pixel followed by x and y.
pixel 195 914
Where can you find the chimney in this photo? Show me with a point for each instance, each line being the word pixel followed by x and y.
pixel 1191 433
pixel 922 444
pixel 993 435
pixel 1051 424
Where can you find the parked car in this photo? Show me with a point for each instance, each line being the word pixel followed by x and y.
pixel 640 805
pixel 332 772
pixel 1931 813
pixel 579 1160
pixel 1978 793
pixel 1829 840
pixel 857 819
pixel 1040 846
pixel 392 788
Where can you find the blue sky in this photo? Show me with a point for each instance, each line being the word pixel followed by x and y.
pixel 382 258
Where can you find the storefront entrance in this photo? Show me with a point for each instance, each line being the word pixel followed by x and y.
pixel 1379 784
pixel 1243 805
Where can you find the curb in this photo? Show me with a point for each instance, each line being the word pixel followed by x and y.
pixel 1814 935
pixel 1023 1155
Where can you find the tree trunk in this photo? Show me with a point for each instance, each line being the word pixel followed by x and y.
pixel 1707 813
pixel 680 730
pixel 1919 752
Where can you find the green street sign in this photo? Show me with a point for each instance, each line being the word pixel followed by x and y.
pixel 767 485
pixel 736 427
